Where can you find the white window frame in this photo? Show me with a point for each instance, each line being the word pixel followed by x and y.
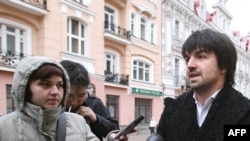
pixel 114 15
pixel 147 32
pixel 134 21
pixel 153 34
pixel 149 70
pixel 143 32
pixel 84 2
pixel 115 69
pixel 177 66
pixel 78 37
pixel 24 39
pixel 132 24
pixel 111 16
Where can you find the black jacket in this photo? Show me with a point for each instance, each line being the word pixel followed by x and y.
pixel 179 121
pixel 104 123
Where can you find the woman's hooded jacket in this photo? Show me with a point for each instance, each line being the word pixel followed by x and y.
pixel 31 122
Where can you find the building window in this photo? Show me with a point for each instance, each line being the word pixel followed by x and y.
pixel 177 70
pixel 111 63
pixel 109 18
pixel 133 22
pixel 152 34
pixel 10 100
pixel 141 71
pixel 143 29
pixel 113 106
pixel 177 66
pixel 79 1
pixel 143 107
pixel 76 37
pixel 12 40
pixel 84 2
pixel 177 29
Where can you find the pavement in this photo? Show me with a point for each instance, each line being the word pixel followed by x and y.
pixel 141 134
pixel 137 137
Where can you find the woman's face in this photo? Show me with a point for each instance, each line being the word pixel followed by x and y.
pixel 47 93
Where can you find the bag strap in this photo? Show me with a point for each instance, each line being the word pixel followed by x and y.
pixel 61 127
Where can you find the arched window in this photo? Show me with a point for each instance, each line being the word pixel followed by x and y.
pixel 111 63
pixel 14 42
pixel 142 70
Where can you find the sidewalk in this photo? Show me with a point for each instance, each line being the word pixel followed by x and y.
pixel 142 133
pixel 138 137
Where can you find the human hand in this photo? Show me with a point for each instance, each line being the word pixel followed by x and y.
pixel 112 135
pixel 87 113
pixel 122 138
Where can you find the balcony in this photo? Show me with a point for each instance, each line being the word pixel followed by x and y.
pixel 10 59
pixel 36 7
pixel 121 4
pixel 117 33
pixel 121 79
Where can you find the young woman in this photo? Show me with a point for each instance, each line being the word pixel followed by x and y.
pixel 40 88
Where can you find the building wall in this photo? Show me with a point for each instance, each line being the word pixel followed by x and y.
pixel 5 79
pixel 136 48
pixel 47 36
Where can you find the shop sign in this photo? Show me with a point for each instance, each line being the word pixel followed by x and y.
pixel 146 92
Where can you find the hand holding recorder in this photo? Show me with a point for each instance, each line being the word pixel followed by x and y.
pixel 128 129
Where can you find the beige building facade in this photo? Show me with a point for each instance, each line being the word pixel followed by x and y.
pixel 118 41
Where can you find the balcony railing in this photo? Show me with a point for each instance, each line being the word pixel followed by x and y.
pixel 38 3
pixel 122 79
pixel 10 58
pixel 117 30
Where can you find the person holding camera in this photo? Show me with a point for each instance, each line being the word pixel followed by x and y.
pixel 88 106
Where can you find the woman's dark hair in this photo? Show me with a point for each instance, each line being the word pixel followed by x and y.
pixel 45 71
pixel 220 44
pixel 77 73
